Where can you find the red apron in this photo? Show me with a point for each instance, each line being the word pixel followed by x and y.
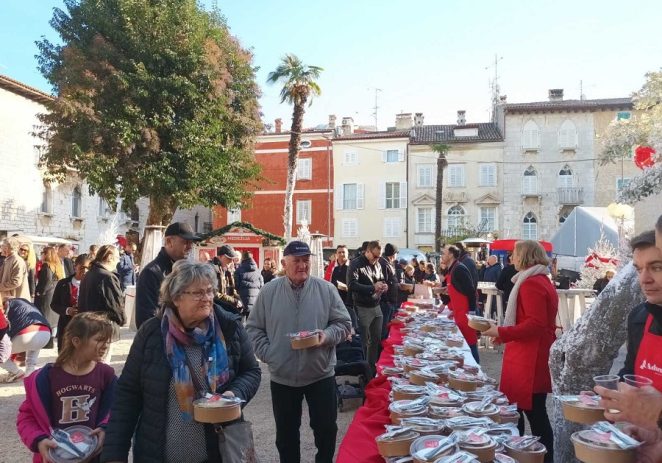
pixel 649 356
pixel 459 304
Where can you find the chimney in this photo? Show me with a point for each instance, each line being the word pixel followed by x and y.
pixel 278 124
pixel 461 117
pixel 332 121
pixel 555 94
pixel 503 99
pixel 347 126
pixel 418 119
pixel 403 121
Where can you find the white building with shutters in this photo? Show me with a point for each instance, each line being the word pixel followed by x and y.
pixel 550 161
pixel 472 184
pixel 370 187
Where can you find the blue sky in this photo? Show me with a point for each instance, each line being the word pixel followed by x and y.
pixel 427 56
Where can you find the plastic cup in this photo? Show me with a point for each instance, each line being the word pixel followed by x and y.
pixel 607 381
pixel 637 380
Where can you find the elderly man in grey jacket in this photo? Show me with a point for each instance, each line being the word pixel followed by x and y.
pixel 300 302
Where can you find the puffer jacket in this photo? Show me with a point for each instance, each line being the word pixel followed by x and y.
pixel 249 281
pixel 141 398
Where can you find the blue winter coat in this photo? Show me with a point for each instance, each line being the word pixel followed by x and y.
pixel 249 281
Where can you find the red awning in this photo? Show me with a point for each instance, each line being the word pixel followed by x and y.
pixel 509 245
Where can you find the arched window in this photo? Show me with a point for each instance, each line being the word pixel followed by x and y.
pixel 566 179
pixel 565 212
pixel 530 136
pixel 530 181
pixel 568 135
pixel 456 217
pixel 76 202
pixel 530 227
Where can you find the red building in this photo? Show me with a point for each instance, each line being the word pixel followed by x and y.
pixel 313 193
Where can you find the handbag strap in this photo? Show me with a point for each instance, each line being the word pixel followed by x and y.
pixel 211 434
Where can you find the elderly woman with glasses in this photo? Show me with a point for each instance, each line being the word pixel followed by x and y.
pixel 65 296
pixel 153 400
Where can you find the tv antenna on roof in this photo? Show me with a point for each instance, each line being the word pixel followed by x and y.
pixel 375 109
pixel 494 84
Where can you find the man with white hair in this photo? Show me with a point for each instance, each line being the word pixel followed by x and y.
pixel 14 272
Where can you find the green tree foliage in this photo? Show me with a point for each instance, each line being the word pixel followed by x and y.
pixel 299 86
pixel 153 99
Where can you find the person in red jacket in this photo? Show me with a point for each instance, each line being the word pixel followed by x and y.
pixel 462 295
pixel 528 333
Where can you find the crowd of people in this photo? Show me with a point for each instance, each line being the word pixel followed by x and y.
pixel 203 326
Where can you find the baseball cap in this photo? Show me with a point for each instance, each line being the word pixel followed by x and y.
pixel 183 230
pixel 227 251
pixel 297 248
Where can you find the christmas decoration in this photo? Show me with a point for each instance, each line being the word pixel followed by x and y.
pixel 647 184
pixel 644 157
pixel 601 258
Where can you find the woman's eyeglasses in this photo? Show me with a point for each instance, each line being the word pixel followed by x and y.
pixel 201 294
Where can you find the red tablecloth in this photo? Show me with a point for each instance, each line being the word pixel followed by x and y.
pixel 359 444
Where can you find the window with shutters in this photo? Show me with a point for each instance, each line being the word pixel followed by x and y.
pixel 350 228
pixel 530 227
pixel 487 175
pixel 530 136
pixel 351 158
pixel 392 195
pixel 566 179
pixel 305 169
pixel 623 115
pixel 349 196
pixel 621 183
pixel 425 175
pixel 568 135
pixel 455 175
pixel 304 211
pixel 47 200
pixel 392 227
pixel 424 220
pixel 456 217
pixel 76 202
pixel 530 181
pixel 488 218
pixel 393 156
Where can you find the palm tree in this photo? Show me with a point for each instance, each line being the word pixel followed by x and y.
pixel 299 85
pixel 442 163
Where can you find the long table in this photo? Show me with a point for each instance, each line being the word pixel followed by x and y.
pixel 359 444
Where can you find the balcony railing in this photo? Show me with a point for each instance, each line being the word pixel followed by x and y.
pixel 571 196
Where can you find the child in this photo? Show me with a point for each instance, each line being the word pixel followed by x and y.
pixel 76 390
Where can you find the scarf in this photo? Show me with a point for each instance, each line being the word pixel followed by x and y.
pixel 214 368
pixel 518 279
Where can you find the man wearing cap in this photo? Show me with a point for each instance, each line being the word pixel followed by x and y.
pixel 227 295
pixel 300 302
pixel 179 238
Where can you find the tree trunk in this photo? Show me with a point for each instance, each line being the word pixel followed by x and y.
pixel 588 349
pixel 161 210
pixel 441 163
pixel 292 161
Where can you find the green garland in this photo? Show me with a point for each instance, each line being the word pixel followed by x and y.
pixel 258 231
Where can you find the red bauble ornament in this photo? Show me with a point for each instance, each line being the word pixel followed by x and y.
pixel 644 157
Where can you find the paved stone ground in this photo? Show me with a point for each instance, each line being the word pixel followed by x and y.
pixel 258 411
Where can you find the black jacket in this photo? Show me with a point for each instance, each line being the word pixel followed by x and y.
pixel 388 269
pixel 20 314
pixel 339 274
pixel 267 275
pixel 100 291
pixel 504 282
pixel 468 262
pixel 636 324
pixel 462 282
pixel 61 301
pixel 43 293
pixel 149 283
pixel 361 277
pixel 249 281
pixel 141 395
